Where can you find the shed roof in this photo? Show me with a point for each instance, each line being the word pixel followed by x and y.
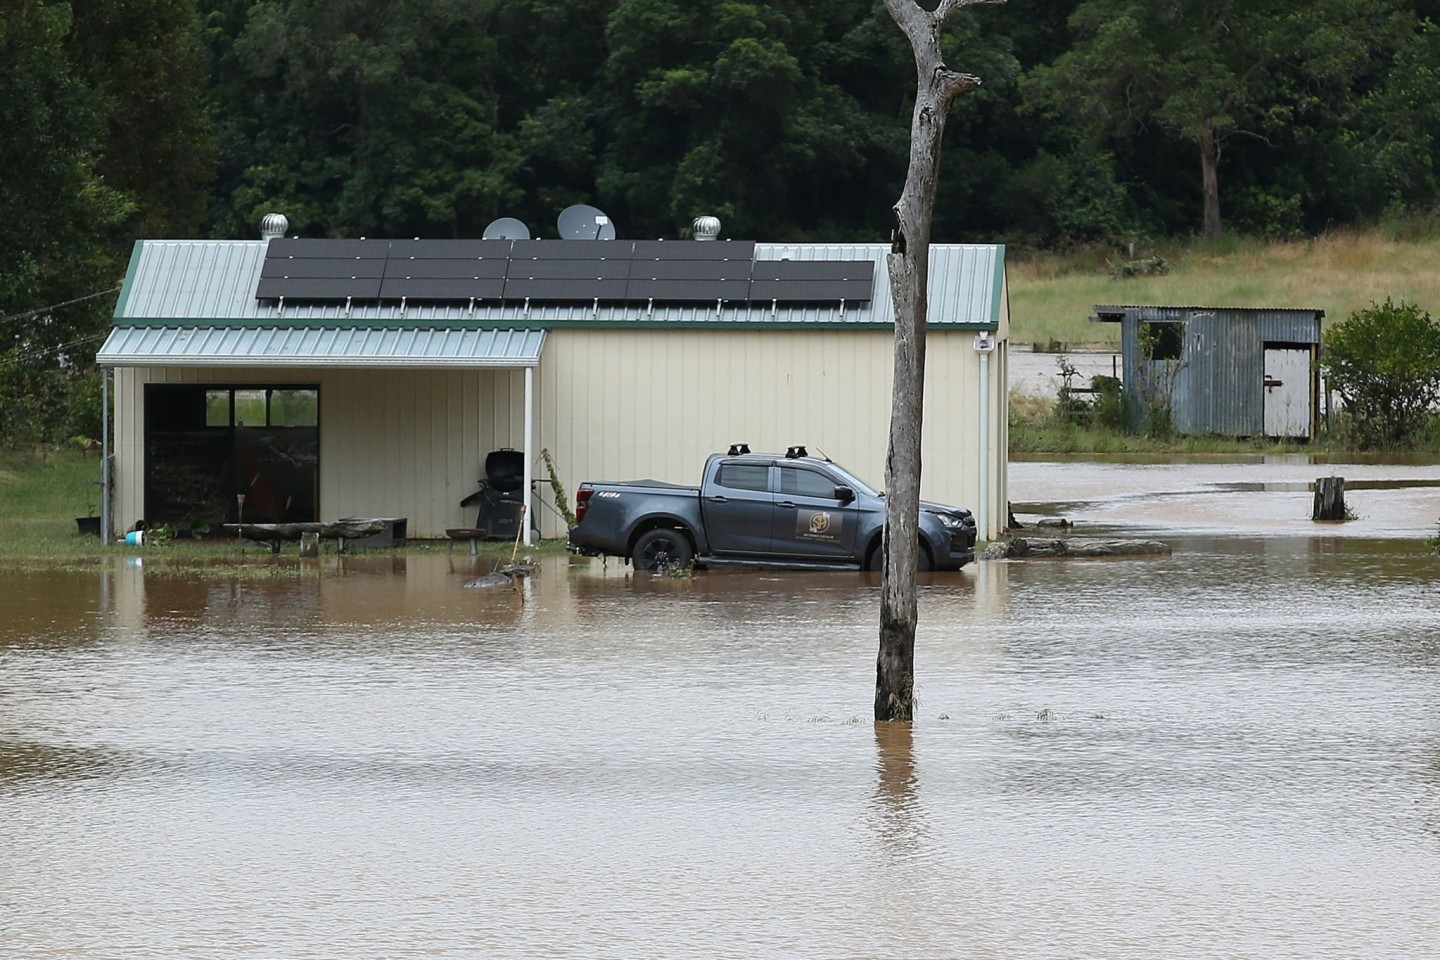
pixel 1107 313
pixel 320 347
pixel 212 283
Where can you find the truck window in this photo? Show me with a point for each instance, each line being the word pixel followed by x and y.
pixel 800 482
pixel 744 476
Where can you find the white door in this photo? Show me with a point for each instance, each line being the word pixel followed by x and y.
pixel 1287 392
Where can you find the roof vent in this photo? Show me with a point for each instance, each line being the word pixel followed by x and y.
pixel 273 225
pixel 706 228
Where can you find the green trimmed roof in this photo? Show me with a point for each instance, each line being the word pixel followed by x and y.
pixel 212 283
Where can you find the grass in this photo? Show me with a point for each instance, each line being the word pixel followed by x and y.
pixel 1053 295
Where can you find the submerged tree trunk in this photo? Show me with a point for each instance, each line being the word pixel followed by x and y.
pixel 908 266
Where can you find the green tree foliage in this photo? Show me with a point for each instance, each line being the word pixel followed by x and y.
pixel 1385 364
pixel 1207 72
pixel 143 60
pixel 57 212
pixel 363 117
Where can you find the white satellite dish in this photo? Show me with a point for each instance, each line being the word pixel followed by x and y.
pixel 506 228
pixel 584 222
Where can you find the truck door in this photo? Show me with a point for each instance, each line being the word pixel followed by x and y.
pixel 809 520
pixel 737 507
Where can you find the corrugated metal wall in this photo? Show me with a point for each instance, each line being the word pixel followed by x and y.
pixel 616 405
pixel 1220 386
pixel 620 405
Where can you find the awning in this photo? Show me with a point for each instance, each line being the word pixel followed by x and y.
pixel 320 347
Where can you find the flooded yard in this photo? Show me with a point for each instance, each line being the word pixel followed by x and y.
pixel 1230 752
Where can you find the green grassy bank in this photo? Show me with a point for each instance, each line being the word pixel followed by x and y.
pixel 1053 295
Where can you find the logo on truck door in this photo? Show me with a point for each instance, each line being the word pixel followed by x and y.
pixel 821 525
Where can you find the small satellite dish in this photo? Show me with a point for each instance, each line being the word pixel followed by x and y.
pixel 506 228
pixel 583 222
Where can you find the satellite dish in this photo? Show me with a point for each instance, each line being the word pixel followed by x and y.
pixel 584 222
pixel 506 228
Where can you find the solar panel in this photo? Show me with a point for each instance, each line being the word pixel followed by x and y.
pixel 328 249
pixel 325 288
pixel 307 267
pixel 571 250
pixel 446 269
pixel 571 270
pixel 743 250
pixel 703 291
pixel 442 288
pixel 809 290
pixel 564 288
pixel 450 249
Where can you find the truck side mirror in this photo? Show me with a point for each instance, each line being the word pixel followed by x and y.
pixel 844 494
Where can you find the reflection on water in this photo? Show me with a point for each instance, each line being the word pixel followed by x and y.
pixel 1229 752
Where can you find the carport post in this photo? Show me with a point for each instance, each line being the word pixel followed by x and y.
pixel 527 513
pixel 984 346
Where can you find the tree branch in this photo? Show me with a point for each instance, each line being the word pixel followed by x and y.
pixel 948 7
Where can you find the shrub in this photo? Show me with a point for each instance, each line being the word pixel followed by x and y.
pixel 1384 362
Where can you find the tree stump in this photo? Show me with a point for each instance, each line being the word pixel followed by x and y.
pixel 1329 499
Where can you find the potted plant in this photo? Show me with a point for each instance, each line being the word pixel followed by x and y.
pixel 88 525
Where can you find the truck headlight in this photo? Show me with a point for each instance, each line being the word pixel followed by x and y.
pixel 950 522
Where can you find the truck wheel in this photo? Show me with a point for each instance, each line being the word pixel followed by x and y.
pixel 660 549
pixel 875 559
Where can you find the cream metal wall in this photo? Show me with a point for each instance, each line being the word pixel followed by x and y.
pixel 629 404
pixel 616 405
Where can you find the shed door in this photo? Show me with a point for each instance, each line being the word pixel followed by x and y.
pixel 1287 392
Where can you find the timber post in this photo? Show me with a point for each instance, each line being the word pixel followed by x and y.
pixel 1329 499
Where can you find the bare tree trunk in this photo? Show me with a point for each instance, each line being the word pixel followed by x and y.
pixel 909 265
pixel 1210 181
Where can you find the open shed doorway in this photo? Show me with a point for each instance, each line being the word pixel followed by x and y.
pixel 208 445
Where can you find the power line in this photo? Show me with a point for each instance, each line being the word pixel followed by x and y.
pixel 47 351
pixel 56 306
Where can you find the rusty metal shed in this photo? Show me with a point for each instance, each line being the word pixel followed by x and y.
pixel 1231 371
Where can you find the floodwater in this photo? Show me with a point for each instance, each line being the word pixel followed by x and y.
pixel 1230 752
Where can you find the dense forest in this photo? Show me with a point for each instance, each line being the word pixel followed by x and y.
pixel 1098 122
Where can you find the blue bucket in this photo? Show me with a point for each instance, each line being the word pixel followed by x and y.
pixel 135 538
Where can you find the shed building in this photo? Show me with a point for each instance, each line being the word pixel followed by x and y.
pixel 322 379
pixel 1230 371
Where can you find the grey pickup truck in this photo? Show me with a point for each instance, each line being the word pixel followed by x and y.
pixel 754 508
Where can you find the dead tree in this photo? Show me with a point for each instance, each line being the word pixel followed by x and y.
pixel 909 265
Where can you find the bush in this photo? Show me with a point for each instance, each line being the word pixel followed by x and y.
pixel 1384 362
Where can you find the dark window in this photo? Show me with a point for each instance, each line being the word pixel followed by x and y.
pixel 1162 339
pixel 744 476
pixel 806 483
pixel 206 447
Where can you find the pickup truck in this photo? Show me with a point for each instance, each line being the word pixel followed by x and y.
pixel 755 508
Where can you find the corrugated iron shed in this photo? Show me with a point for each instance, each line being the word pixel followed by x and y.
pixel 1220 379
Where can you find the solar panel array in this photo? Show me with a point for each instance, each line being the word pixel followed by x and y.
pixel 641 271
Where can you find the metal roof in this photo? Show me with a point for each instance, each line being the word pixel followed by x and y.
pixel 1115 313
pixel 212 283
pixel 269 346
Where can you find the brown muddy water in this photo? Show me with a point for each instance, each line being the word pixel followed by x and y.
pixel 1230 752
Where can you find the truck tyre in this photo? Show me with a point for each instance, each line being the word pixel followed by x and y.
pixel 875 559
pixel 662 548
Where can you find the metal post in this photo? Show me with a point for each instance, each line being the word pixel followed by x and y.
pixel 105 456
pixel 525 514
pixel 984 346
